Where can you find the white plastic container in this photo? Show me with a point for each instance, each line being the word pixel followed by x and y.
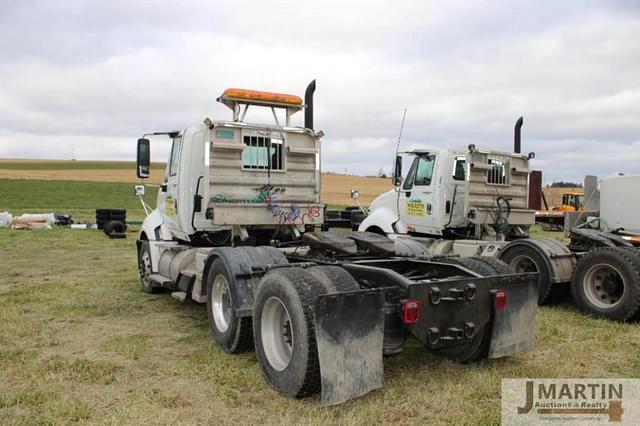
pixel 620 202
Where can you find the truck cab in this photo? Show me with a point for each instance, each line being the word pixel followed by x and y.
pixel 430 190
pixel 455 194
pixel 237 180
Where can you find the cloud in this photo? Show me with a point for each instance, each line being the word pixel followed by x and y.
pixel 99 74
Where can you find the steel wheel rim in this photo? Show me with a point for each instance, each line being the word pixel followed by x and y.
pixel 276 333
pixel 221 303
pixel 523 264
pixel 145 268
pixel 604 286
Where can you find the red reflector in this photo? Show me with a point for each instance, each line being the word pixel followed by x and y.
pixel 500 299
pixel 410 311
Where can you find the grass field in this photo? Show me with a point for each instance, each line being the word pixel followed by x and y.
pixel 16 164
pixel 336 188
pixel 80 342
pixel 85 171
pixel 79 199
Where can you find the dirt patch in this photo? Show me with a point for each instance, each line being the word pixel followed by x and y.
pixel 23 160
pixel 336 189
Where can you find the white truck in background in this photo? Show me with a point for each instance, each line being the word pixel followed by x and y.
pixel 475 203
pixel 476 196
pixel 234 228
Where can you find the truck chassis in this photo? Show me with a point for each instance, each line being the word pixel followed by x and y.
pixel 321 314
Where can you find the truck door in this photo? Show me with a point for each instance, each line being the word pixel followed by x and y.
pixel 454 194
pixel 417 197
pixel 169 189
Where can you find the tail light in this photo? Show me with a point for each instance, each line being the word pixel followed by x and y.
pixel 410 311
pixel 500 299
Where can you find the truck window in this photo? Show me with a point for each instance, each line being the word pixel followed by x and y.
pixel 257 154
pixel 497 175
pixel 424 172
pixel 420 172
pixel 176 149
pixel 408 182
pixel 459 168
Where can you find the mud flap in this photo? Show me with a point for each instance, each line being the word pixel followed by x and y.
pixel 514 327
pixel 349 333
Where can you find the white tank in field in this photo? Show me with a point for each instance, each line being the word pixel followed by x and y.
pixel 620 202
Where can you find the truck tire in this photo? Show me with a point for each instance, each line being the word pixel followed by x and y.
pixel 114 226
pixel 499 267
pixel 230 332
pixel 334 279
pixel 376 230
pixel 525 259
pixel 144 268
pixel 607 283
pixel 356 219
pixel 479 345
pixel 475 264
pixel 284 332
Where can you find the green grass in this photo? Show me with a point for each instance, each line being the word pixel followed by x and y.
pixel 79 199
pixel 537 232
pixel 73 165
pixel 79 342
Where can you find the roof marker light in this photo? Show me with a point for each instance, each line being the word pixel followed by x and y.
pixel 263 97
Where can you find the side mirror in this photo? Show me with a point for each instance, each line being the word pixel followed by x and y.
pixel 143 161
pixel 397 171
pixel 355 194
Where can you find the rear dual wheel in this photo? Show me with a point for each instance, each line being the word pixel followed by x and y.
pixel 283 325
pixel 607 283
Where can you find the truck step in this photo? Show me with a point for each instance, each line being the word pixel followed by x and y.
pixel 186 279
pixel 189 272
pixel 161 280
pixel 180 295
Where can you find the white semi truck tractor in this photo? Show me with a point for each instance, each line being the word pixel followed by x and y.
pixel 235 228
pixel 475 203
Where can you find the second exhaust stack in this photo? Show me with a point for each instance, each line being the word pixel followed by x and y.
pixel 308 101
pixel 517 148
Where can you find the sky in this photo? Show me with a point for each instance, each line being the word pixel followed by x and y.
pixel 89 77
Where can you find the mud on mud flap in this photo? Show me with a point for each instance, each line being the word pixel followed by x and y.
pixel 514 326
pixel 349 334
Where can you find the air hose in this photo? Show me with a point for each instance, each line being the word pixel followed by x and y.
pixel 503 210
